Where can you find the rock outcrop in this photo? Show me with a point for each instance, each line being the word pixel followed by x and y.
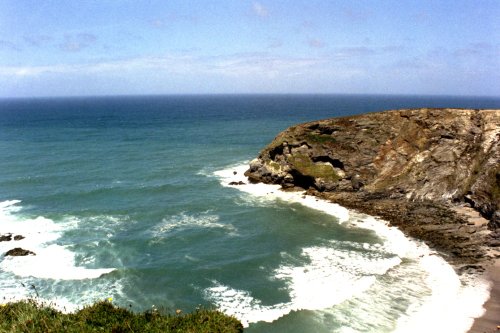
pixel 409 166
pixel 16 252
pixel 8 237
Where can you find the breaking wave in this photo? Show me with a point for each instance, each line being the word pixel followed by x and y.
pixel 346 279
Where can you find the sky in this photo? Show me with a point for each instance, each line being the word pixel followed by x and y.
pixel 133 47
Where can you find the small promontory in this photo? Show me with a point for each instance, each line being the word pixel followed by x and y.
pixel 435 173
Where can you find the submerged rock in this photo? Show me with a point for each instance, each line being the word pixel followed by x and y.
pixel 398 164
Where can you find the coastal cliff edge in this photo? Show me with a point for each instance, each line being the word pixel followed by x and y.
pixel 433 173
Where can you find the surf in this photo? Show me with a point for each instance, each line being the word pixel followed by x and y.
pixel 333 276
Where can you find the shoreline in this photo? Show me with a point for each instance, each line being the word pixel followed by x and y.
pixel 485 266
pixel 480 259
pixel 463 267
pixel 489 321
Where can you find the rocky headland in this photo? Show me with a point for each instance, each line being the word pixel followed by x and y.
pixel 434 173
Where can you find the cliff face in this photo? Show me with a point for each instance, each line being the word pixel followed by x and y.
pixel 443 156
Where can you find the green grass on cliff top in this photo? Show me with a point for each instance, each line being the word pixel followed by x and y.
pixel 103 316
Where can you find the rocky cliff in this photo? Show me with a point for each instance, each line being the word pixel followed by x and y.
pixel 412 167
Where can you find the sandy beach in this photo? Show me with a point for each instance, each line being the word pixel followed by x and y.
pixel 490 321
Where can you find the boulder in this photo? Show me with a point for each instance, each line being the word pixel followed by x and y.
pixel 237 183
pixel 5 238
pixel 19 252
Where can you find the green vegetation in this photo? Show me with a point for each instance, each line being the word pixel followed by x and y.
pixel 320 138
pixel 317 170
pixel 30 316
pixel 274 165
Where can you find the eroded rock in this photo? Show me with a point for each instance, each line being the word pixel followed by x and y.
pixel 408 166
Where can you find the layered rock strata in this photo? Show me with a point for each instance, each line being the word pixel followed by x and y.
pixel 417 168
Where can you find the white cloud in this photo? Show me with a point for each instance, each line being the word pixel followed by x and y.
pixel 261 65
pixel 242 65
pixel 260 10
pixel 356 68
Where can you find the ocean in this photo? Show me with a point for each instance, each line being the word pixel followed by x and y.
pixel 128 199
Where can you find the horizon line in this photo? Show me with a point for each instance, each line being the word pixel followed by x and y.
pixel 245 94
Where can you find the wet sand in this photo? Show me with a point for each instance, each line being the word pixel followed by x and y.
pixel 490 321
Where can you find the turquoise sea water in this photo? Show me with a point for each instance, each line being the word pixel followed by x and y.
pixel 127 197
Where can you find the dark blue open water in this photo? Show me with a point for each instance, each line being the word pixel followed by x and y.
pixel 127 198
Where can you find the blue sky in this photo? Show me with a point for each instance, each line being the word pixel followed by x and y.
pixel 117 47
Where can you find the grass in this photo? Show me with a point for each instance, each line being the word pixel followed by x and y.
pixel 30 316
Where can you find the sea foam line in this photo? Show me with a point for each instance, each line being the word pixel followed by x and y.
pixel 454 301
pixel 52 261
pixel 51 277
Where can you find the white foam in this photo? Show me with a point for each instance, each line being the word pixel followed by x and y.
pixel 242 305
pixel 52 261
pixel 77 294
pixel 271 192
pixel 328 277
pixel 453 304
pixel 331 277
pixel 9 205
pixel 183 221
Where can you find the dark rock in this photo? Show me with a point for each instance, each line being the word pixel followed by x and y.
pixel 19 237
pixel 5 238
pixel 19 252
pixel 494 223
pixel 237 183
pixel 356 183
pixel 470 269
